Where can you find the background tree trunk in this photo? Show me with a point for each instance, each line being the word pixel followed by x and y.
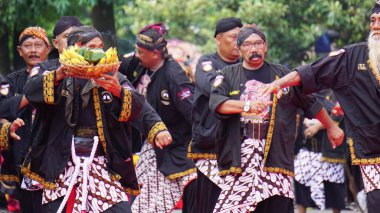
pixel 103 19
pixel 4 53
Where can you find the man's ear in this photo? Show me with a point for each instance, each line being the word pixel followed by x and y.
pixel 19 50
pixel 217 39
pixel 55 43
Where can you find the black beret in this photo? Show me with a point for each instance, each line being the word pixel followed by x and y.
pixel 64 23
pixel 227 24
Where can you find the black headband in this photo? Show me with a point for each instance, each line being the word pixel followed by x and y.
pixel 83 35
pixel 376 8
pixel 245 32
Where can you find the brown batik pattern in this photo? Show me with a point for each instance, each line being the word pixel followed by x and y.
pixel 103 192
pixel 158 193
pixel 243 193
pixel 371 177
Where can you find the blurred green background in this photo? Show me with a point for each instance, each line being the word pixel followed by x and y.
pixel 292 27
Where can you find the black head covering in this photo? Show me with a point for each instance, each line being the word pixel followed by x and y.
pixel 227 24
pixel 152 37
pixel 247 31
pixel 376 8
pixel 83 34
pixel 64 23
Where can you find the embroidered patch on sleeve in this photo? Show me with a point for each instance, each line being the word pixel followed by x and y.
pixel 185 93
pixel 207 66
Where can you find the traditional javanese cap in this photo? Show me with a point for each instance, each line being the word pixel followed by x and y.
pixel 227 24
pixel 34 32
pixel 64 23
pixel 83 35
pixel 248 30
pixel 152 37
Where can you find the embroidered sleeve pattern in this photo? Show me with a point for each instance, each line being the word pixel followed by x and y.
pixel 157 128
pixel 48 88
pixel 4 138
pixel 126 108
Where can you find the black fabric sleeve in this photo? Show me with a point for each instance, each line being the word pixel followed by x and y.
pixel 219 94
pixel 9 107
pixel 147 119
pixel 131 101
pixel 182 91
pixel 308 103
pixel 327 72
pixel 204 79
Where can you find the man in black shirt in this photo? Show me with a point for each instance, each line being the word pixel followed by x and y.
pixel 353 74
pixel 202 146
pixel 33 47
pixel 163 172
pixel 256 141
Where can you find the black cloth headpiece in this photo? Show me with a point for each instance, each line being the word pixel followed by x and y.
pixel 64 23
pixel 227 24
pixel 245 32
pixel 83 35
pixel 152 37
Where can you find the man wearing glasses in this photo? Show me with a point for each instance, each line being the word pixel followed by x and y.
pixel 257 133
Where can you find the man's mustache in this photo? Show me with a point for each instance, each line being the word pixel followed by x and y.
pixel 34 56
pixel 255 55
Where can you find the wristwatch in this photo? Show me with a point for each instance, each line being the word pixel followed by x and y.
pixel 247 106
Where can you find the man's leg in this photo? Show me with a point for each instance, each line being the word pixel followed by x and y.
pixel 207 194
pixel 188 198
pixel 274 203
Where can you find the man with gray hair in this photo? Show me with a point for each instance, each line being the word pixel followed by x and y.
pixel 353 74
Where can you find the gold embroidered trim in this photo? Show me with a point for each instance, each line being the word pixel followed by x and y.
pixel 360 161
pixel 333 160
pixel 9 178
pixel 374 71
pixel 48 185
pixel 279 170
pixel 4 138
pixel 196 156
pixel 157 127
pixel 236 170
pixel 270 129
pixel 48 88
pixel 99 121
pixel 114 176
pixel 126 108
pixel 134 192
pixel 181 174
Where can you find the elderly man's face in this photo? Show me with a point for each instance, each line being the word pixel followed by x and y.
pixel 375 26
pixel 60 41
pixel 33 50
pixel 253 50
pixel 148 58
pixel 227 43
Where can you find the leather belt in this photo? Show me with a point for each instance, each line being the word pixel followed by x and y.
pixel 83 147
pixel 255 130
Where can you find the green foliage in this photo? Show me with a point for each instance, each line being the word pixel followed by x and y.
pixel 291 26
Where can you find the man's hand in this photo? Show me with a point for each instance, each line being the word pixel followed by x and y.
pixel 61 73
pixel 110 83
pixel 259 106
pixel 273 87
pixel 14 126
pixel 163 139
pixel 335 135
pixel 312 130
